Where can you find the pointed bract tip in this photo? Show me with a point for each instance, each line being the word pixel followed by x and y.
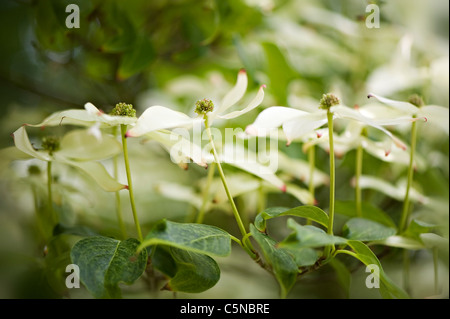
pixel 125 187
pixel 370 95
pixel 356 107
pixel 319 135
pixel 263 86
pixel 315 202
pixel 387 152
pixel 128 134
pixel 242 71
pixel 283 188
pixel 251 130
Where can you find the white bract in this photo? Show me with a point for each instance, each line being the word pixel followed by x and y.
pixel 96 119
pixel 160 117
pixel 87 117
pixel 77 149
pixel 434 114
pixel 297 123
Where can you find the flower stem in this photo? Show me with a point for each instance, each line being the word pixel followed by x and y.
pixel 312 167
pixel 53 215
pixel 359 163
pixel 117 194
pixel 330 249
pixel 406 205
pixel 39 221
pixel 209 179
pixel 224 182
pixel 123 129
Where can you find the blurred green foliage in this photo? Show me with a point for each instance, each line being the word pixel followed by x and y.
pixel 161 52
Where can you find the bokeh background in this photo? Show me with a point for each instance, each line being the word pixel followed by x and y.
pixel 175 52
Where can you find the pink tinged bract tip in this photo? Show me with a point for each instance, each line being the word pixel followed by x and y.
pixel 242 71
pixel 319 135
pixel 251 130
pixel 387 152
pixel 128 134
pixel 315 202
pixel 125 187
pixel 356 107
pixel 263 86
pixel 283 188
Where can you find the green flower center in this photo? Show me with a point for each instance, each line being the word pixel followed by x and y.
pixel 328 100
pixel 416 100
pixel 34 170
pixel 204 106
pixel 50 144
pixel 123 109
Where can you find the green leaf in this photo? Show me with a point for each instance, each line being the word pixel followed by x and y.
pixel 366 230
pixel 388 288
pixel 308 237
pixel 194 272
pixel 105 262
pixel 278 71
pixel 312 212
pixel 197 238
pixel 283 265
pixel 435 241
pixel 400 242
pixel 416 228
pixel 344 277
pixel 303 257
pixel 137 59
pixel 348 208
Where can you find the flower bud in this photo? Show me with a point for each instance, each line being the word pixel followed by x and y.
pixel 204 106
pixel 328 100
pixel 50 144
pixel 34 170
pixel 416 100
pixel 123 109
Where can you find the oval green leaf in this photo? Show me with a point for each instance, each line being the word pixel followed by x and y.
pixel 198 238
pixel 283 264
pixel 105 262
pixel 313 213
pixel 308 237
pixel 189 272
pixel 366 230
pixel 388 289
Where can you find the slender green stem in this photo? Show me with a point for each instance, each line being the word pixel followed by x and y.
pixel 330 249
pixel 53 215
pixel 123 129
pixel 241 243
pixel 224 182
pixel 347 252
pixel 261 198
pixel 406 204
pixel 122 227
pixel 359 164
pixel 201 213
pixel 39 224
pixel 312 167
